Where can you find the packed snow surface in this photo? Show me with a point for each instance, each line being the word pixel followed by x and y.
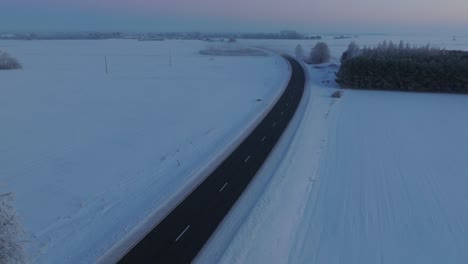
pixel 372 177
pixel 89 155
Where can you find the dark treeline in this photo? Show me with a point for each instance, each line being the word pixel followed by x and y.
pixel 405 68
pixel 62 36
pixel 285 34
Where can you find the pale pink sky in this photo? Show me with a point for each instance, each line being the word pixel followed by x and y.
pixel 364 13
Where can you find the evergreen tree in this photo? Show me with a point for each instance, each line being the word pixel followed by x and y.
pixel 402 67
pixel 351 52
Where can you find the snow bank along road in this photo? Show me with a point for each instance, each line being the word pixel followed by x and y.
pixel 180 236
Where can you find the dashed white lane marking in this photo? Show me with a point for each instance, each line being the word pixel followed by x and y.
pixel 181 234
pixel 282 113
pixel 247 159
pixel 224 186
pixel 263 139
pixel 274 124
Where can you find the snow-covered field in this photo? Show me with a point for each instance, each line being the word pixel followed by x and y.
pixel 372 177
pixel 90 155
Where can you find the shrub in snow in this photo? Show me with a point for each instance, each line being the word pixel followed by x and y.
pixel 7 62
pixel 299 52
pixel 337 94
pixel 403 67
pixel 11 250
pixel 320 53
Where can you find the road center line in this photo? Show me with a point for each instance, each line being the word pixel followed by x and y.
pixel 181 234
pixel 263 139
pixel 247 159
pixel 274 124
pixel 224 186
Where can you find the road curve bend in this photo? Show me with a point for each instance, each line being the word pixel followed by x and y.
pixel 180 235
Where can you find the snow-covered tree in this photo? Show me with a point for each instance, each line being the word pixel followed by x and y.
pixel 7 62
pixel 299 52
pixel 352 51
pixel 11 250
pixel 391 66
pixel 401 46
pixel 320 53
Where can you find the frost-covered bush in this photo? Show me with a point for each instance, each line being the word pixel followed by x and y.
pixel 7 62
pixel 319 54
pixel 403 67
pixel 337 94
pixel 11 250
pixel 299 52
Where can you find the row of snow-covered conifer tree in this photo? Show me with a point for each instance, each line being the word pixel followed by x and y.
pixel 391 66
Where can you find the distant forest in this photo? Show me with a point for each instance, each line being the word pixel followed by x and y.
pixel 403 67
pixel 285 34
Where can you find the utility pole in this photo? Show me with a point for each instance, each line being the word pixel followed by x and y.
pixel 105 61
pixel 170 58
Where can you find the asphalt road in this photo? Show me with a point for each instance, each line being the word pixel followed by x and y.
pixel 179 237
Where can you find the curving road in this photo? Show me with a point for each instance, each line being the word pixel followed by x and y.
pixel 179 237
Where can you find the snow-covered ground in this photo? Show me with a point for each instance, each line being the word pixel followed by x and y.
pixel 91 155
pixel 372 177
